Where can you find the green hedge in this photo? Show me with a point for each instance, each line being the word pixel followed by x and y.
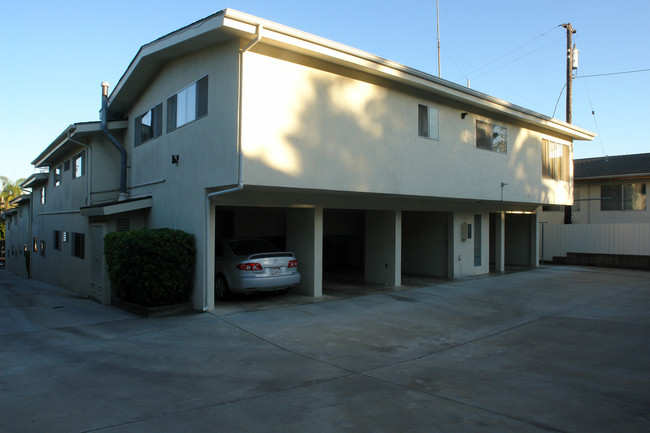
pixel 151 267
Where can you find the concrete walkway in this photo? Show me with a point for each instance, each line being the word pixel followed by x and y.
pixel 554 349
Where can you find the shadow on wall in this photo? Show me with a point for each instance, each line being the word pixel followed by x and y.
pixel 311 128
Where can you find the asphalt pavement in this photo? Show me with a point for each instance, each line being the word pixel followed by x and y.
pixel 559 348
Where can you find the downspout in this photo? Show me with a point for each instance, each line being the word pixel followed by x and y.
pixel 104 121
pixel 240 162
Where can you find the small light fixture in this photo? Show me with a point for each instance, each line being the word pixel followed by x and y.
pixel 463 115
pixel 175 159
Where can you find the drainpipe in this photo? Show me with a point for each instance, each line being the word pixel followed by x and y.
pixel 240 162
pixel 104 121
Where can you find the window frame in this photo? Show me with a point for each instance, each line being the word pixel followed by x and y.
pixel 81 157
pixel 196 92
pixel 155 128
pixel 620 200
pixel 58 175
pixel 494 137
pixel 556 167
pixel 428 122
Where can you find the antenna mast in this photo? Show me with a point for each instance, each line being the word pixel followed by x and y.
pixel 438 27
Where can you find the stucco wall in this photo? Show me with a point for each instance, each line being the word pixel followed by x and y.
pixel 206 147
pixel 463 256
pixel 310 128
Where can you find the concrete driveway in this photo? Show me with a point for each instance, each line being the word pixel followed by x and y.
pixel 554 349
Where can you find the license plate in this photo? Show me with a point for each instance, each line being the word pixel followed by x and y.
pixel 275 271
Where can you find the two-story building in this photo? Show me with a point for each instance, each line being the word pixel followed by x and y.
pixel 235 125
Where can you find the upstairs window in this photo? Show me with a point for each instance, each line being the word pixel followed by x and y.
pixel 149 125
pixel 78 166
pixel 631 196
pixel 43 195
pixel 427 122
pixel 188 105
pixel 555 160
pixel 491 137
pixel 57 175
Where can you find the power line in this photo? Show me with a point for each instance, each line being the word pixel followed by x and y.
pixel 511 51
pixel 613 73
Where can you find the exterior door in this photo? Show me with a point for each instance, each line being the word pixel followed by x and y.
pixel 98 287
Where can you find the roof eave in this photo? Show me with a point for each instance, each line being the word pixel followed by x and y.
pixel 69 133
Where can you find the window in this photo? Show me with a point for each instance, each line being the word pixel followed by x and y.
pixel 43 195
pixel 491 137
pixel 553 208
pixel 187 105
pixel 631 196
pixel 78 245
pixel 427 121
pixel 149 125
pixel 66 165
pixel 42 248
pixel 57 175
pixel 555 160
pixel 57 240
pixel 35 246
pixel 79 166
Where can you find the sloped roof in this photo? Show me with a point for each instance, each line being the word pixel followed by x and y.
pixel 636 165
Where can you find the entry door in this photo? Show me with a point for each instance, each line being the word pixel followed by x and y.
pixel 98 290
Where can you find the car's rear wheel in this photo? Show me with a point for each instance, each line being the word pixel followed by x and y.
pixel 221 290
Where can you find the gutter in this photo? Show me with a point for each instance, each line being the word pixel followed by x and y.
pixel 240 162
pixel 116 143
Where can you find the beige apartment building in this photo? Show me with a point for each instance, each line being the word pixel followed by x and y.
pixel 235 125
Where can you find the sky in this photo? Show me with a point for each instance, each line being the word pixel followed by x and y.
pixel 55 54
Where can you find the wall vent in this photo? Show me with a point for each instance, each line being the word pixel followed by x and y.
pixel 123 224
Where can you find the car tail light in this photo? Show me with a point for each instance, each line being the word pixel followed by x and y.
pixel 249 266
pixel 292 264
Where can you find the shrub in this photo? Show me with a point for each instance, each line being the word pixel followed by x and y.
pixel 151 267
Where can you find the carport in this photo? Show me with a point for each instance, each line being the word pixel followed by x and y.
pixel 370 239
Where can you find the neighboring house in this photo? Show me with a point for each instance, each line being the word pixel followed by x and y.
pixel 610 189
pixel 235 125
pixel 610 211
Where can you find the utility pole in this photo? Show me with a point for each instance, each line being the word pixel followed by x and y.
pixel 569 70
pixel 569 96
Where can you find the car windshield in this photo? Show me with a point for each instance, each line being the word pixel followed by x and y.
pixel 251 246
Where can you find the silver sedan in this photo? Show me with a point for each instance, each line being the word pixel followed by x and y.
pixel 252 265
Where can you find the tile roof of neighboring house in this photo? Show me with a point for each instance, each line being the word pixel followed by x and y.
pixel 612 166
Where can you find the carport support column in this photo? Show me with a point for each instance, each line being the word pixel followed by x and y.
pixel 305 239
pixel 383 251
pixel 500 242
pixel 534 240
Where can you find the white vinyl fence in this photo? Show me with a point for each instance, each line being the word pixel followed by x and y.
pixel 558 239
